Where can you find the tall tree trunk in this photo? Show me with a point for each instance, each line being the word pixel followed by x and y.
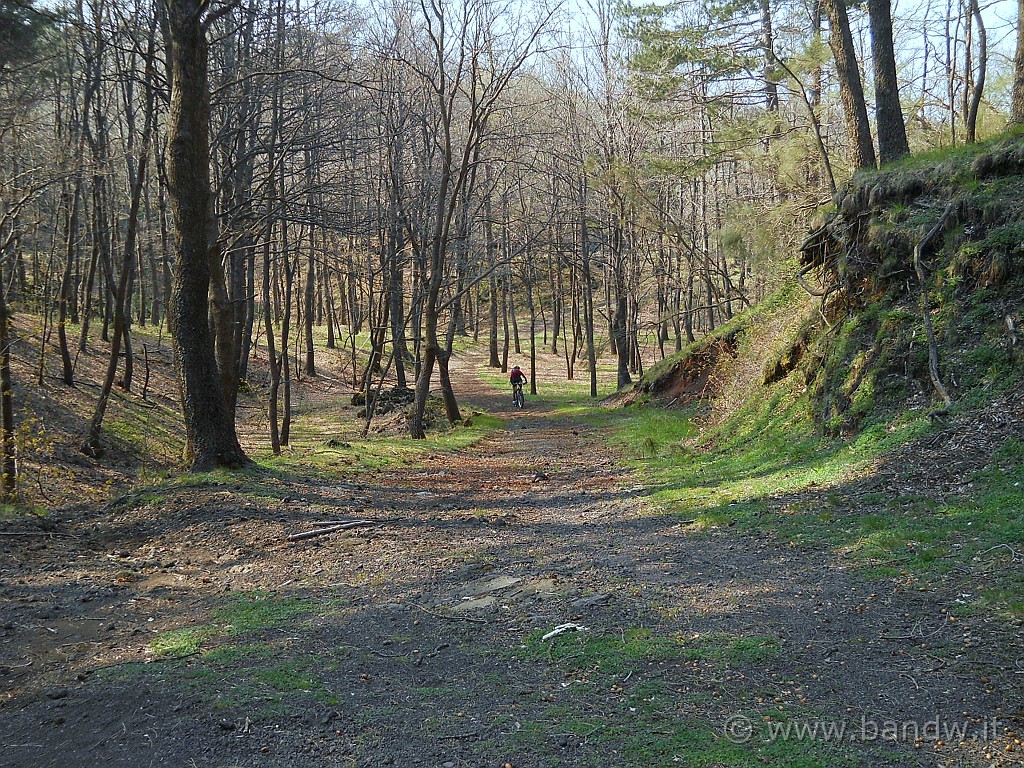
pixel 8 447
pixel 491 246
pixel 224 319
pixel 309 297
pixel 273 362
pixel 851 91
pixel 122 293
pixel 1017 92
pixel 396 295
pixel 892 132
pixel 65 284
pixel 771 88
pixel 210 435
pixel 588 290
pixel 978 87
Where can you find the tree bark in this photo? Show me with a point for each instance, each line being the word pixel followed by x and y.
pixel 1017 92
pixel 67 366
pixel 892 131
pixel 851 90
pixel 210 435
pixel 978 87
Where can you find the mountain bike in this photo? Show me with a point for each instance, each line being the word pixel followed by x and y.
pixel 518 399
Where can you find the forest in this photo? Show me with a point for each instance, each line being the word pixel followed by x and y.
pixel 265 268
pixel 387 180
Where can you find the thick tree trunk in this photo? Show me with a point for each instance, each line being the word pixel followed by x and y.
pixel 451 403
pixel 892 132
pixel 224 324
pixel 209 430
pixel 851 91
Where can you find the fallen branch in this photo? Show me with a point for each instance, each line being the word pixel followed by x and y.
pixel 1015 556
pixel 449 616
pixel 331 529
pixel 375 652
pixel 422 656
pixel 561 629
pixel 155 660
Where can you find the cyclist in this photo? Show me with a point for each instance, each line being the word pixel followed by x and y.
pixel 517 378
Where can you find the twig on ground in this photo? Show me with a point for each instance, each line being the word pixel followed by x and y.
pixel 1015 556
pixel 917 634
pixel 432 654
pixel 911 679
pixel 156 660
pixel 375 652
pixel 449 616
pixel 331 529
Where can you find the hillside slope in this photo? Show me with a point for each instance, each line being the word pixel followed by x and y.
pixel 820 417
pixel 912 289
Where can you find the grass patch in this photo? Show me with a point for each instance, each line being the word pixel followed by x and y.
pixel 252 612
pixel 617 654
pixel 180 642
pixel 321 447
pixel 652 728
pixel 435 692
pixel 768 470
pixel 261 680
pixel 732 650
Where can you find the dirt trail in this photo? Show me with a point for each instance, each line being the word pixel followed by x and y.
pixel 416 642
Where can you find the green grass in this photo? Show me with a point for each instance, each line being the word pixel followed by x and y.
pixel 768 470
pixel 180 642
pixel 435 692
pixel 152 432
pixel 644 722
pixel 323 446
pixel 252 612
pixel 618 653
pixel 262 680
pixel 240 614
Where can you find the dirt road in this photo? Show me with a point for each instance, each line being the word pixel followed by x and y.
pixel 185 631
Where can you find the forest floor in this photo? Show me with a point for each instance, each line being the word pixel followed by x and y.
pixel 177 626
